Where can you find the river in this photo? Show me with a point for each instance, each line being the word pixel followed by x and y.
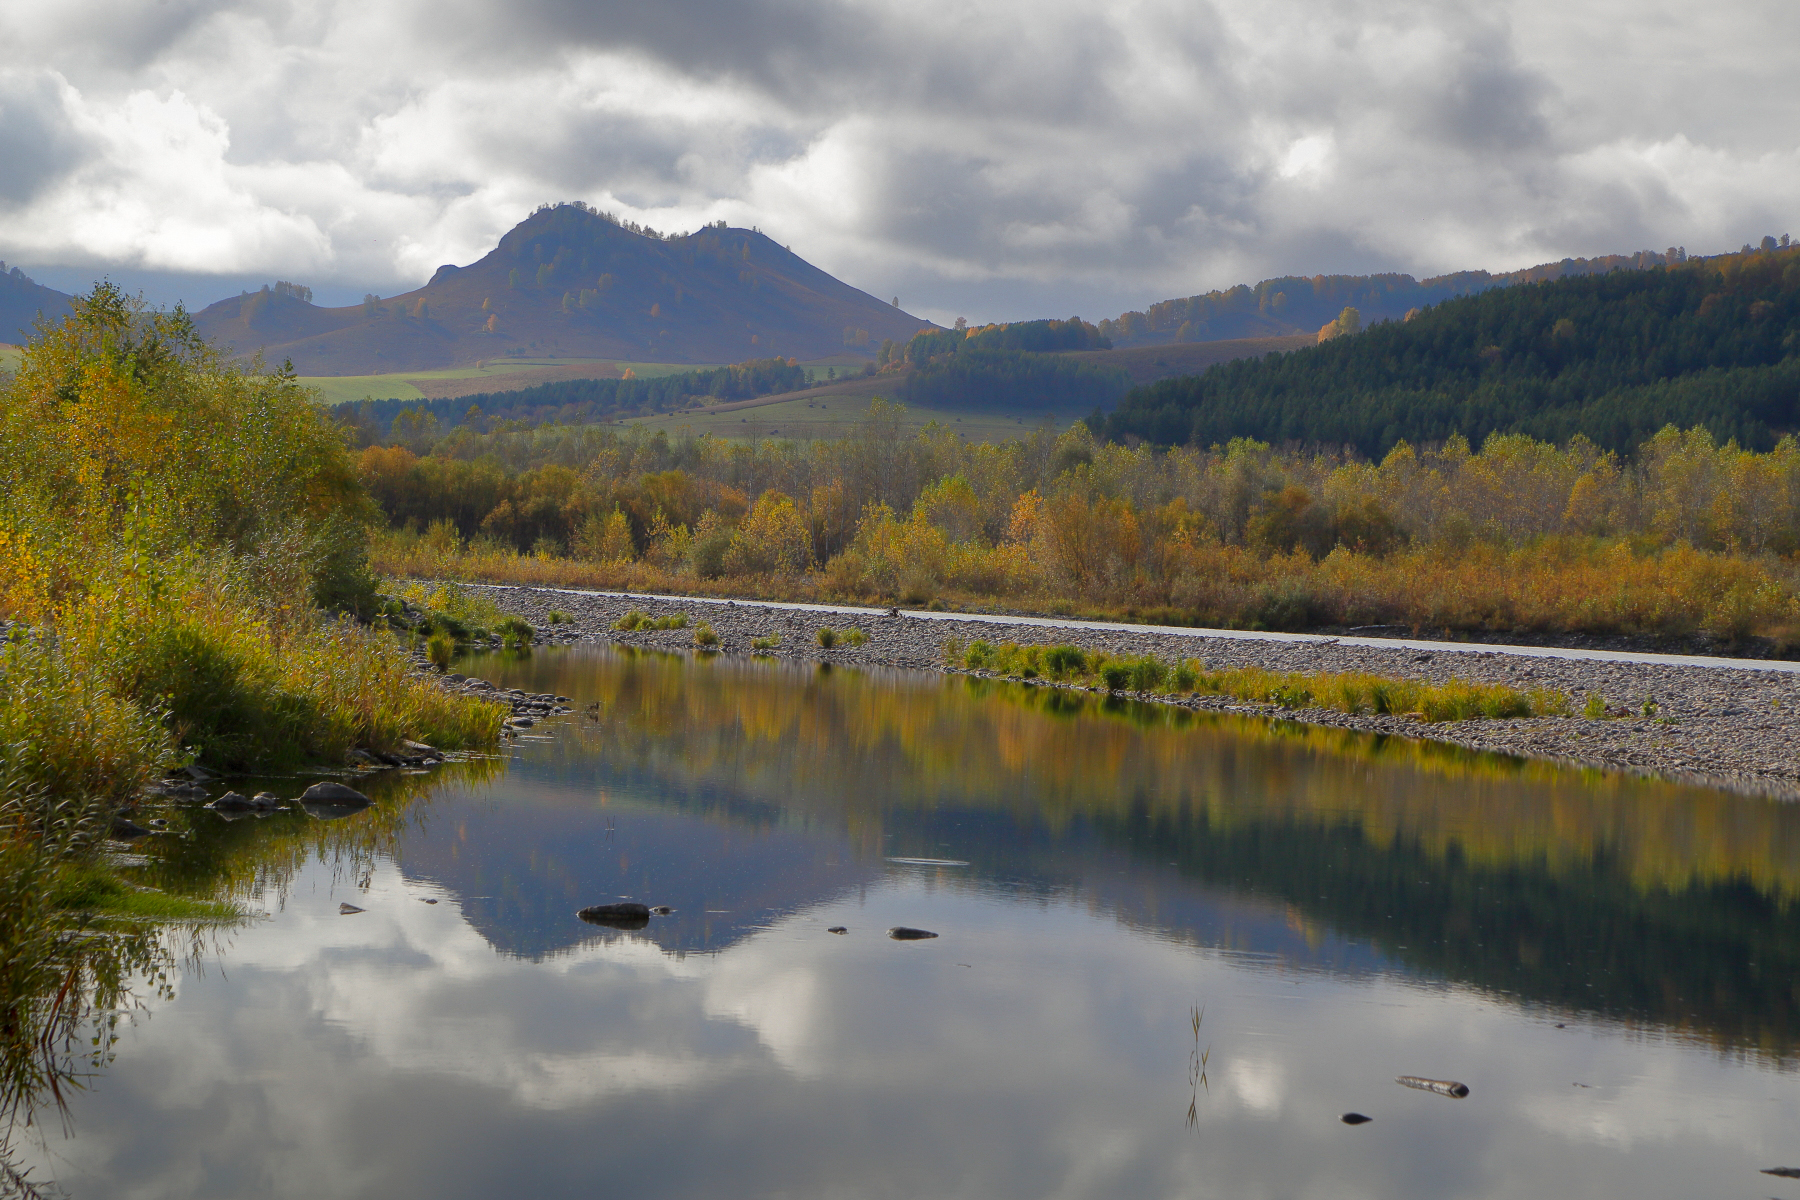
pixel 1174 951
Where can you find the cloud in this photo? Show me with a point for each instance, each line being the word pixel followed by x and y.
pixel 37 143
pixel 1005 159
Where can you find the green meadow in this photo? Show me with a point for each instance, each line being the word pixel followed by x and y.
pixel 403 385
pixel 828 416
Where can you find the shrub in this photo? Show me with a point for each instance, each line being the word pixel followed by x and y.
pixel 676 621
pixel 1595 708
pixel 440 648
pixel 557 617
pixel 1115 676
pixel 767 642
pixel 1064 661
pixel 632 621
pixel 826 637
pixel 515 632
pixel 855 637
pixel 704 635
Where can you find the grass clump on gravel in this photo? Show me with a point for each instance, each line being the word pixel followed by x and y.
pixel 1353 692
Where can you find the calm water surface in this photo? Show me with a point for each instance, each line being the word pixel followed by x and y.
pixel 1610 965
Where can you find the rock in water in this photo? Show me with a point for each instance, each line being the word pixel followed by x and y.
pixel 1442 1087
pixel 617 916
pixel 1355 1118
pixel 125 829
pixel 837 929
pixel 662 910
pixel 346 909
pixel 264 801
pixel 232 802
pixel 1783 1172
pixel 335 795
pixel 902 933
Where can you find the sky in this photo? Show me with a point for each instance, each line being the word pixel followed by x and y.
pixel 999 161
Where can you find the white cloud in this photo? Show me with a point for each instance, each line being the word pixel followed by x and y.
pixel 1001 159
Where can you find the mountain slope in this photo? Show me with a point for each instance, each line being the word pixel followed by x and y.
pixel 568 282
pixel 1712 342
pixel 1299 305
pixel 21 301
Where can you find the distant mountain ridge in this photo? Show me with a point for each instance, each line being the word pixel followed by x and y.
pixel 569 282
pixel 1294 304
pixel 23 301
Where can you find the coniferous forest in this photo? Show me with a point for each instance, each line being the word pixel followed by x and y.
pixel 1713 343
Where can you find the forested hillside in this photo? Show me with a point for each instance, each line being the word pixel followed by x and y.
pixel 1711 342
pixel 1301 304
pixel 1018 367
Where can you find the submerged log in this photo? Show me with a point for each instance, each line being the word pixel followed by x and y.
pixel 629 915
pixel 1441 1087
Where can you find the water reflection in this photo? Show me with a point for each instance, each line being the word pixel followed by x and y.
pixel 1174 951
pixel 1641 901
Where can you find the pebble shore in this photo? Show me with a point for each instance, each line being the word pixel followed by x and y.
pixel 1728 727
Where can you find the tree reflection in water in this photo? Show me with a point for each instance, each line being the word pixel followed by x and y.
pixel 1640 901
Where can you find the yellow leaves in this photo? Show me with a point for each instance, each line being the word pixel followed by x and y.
pixel 1022 525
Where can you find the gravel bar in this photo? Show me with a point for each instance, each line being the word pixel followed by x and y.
pixel 1720 722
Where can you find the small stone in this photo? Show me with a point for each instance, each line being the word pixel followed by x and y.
pixel 428 899
pixel 905 933
pixel 837 929
pixel 522 722
pixel 347 908
pixel 1355 1118
pixel 662 910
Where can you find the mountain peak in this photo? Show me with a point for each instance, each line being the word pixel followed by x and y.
pixel 571 282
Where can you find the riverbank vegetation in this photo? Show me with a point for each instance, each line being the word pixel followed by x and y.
pixel 1685 535
pixel 1353 692
pixel 182 569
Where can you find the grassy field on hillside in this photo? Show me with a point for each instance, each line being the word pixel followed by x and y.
pixel 832 414
pixel 9 358
pixel 1146 364
pixel 509 374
